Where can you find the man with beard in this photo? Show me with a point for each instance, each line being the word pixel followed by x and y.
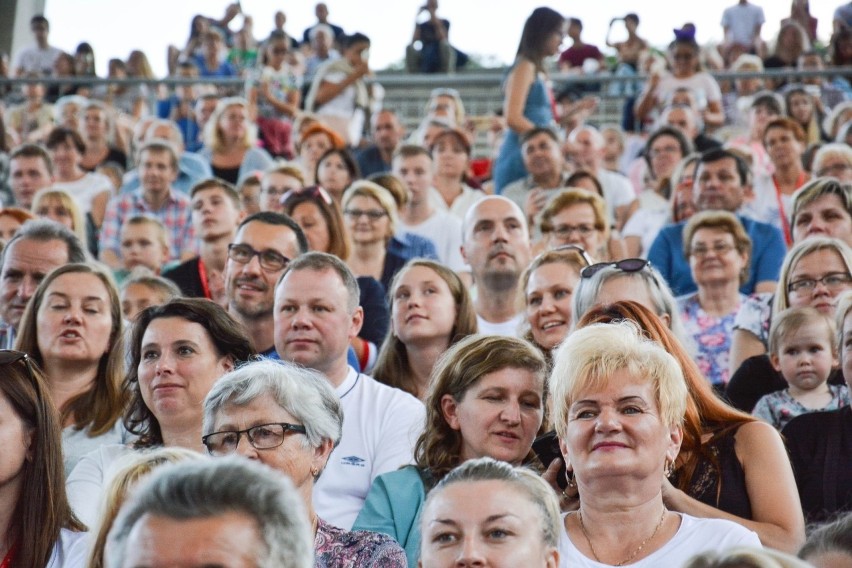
pixel 265 244
pixel 545 164
pixel 497 248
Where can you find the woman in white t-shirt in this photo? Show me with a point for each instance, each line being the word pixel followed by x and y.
pixel 40 529
pixel 618 403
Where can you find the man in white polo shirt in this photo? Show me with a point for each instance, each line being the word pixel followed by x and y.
pixel 316 316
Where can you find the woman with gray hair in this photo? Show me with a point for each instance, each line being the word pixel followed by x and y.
pixel 292 420
pixel 629 279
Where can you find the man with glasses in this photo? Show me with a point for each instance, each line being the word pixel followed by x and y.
pixel 721 183
pixel 316 318
pixel 265 244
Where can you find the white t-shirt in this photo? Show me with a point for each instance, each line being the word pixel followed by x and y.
pixel 742 19
pixel 509 328
pixel 77 443
pixel 645 224
pixel 87 483
pixel 460 205
pixel 85 189
pixel 617 190
pixel 35 60
pixel 764 206
pixel 71 550
pixel 693 537
pixel 445 231
pixel 380 427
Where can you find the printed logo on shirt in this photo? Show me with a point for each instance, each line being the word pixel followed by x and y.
pixel 354 461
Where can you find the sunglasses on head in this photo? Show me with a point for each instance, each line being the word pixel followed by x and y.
pixel 10 357
pixel 626 265
pixel 586 258
pixel 314 192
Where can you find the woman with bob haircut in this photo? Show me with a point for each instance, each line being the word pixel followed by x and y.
pixel 230 142
pixel 577 217
pixel 431 310
pixel 486 399
pixel 37 528
pixel 336 170
pixel 619 401
pixel 471 497
pixel 177 351
pixel 526 103
pixel 73 329
pixel 720 471
pixel 293 420
pixel 815 272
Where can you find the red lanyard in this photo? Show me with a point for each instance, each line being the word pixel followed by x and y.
pixel 205 285
pixel 7 560
pixel 785 224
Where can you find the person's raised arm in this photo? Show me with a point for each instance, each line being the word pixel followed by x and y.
pixel 776 511
pixel 518 85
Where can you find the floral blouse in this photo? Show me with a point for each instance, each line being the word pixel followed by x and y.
pixel 338 548
pixel 712 336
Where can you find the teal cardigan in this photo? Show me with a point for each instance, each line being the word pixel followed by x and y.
pixel 393 507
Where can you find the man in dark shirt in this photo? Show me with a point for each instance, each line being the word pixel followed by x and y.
pixel 387 132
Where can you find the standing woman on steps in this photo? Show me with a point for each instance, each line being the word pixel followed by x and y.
pixel 527 102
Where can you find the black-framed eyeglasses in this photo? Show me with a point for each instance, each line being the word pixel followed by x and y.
pixel 580 250
pixel 372 214
pixel 261 437
pixel 270 260
pixel 626 265
pixel 832 281
pixel 10 357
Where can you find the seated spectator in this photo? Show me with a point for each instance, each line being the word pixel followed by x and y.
pixel 253 518
pixel 143 291
pixel 128 99
pixel 791 42
pixel 506 498
pixel 276 402
pixel 95 131
pixel 336 170
pixel 815 273
pixel 11 220
pixel 829 542
pixel 387 131
pixel 321 42
pixel 573 59
pixel 38 58
pixel 451 151
pixel 818 443
pixel 313 142
pixel 91 190
pixel 766 106
pixel 834 160
pixel 686 119
pixel 44 531
pixel 229 142
pixel 745 557
pixel 459 428
pixel 31 117
pixel 436 54
pixel 718 250
pixel 77 304
pixel 738 101
pixel 431 310
pixel 249 194
pixel 210 61
pixel 831 92
pixel 722 180
pixel 156 197
pixel 277 95
pixel 145 244
pixel 802 348
pixel 802 107
pixel 165 386
pixel 58 205
pixel 577 217
pixel 277 182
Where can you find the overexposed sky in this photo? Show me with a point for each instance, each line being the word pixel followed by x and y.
pixel 485 27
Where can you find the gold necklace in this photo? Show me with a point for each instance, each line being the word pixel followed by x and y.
pixel 635 552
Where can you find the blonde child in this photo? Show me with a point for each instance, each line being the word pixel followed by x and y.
pixel 144 242
pixel 143 289
pixel 802 348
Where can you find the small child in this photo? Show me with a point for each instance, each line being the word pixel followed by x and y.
pixel 802 348
pixel 143 289
pixel 144 242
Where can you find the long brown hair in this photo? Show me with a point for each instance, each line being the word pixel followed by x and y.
pixel 705 412
pixel 392 367
pixel 439 448
pixel 99 407
pixel 42 508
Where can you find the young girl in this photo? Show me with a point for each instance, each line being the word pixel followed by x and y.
pixel 802 349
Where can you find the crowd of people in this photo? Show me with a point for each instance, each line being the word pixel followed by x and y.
pixel 269 327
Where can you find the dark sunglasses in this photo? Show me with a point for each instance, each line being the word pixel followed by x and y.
pixel 626 265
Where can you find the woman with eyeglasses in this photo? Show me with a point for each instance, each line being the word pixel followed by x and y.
pixel 577 217
pixel 290 419
pixel 686 71
pixel 73 330
pixel 370 215
pixel 816 271
pixel 431 310
pixel 177 351
pixel 526 103
pixel 37 527
pixel 730 465
pixel 834 160
pixel 547 287
pixel 486 399
pixel 718 250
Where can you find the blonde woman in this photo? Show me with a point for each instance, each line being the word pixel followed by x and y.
pixel 58 205
pixel 230 142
